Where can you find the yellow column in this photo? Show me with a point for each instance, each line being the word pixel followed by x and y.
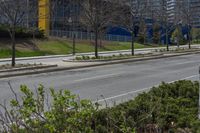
pixel 43 16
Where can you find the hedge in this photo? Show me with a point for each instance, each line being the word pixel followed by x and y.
pixel 167 108
pixel 21 33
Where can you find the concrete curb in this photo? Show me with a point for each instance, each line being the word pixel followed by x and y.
pixel 95 65
pixel 33 58
pixel 109 60
pixel 28 68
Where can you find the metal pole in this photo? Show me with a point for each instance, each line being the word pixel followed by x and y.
pixel 188 15
pixel 74 49
pixel 73 28
pixel 199 96
pixel 166 37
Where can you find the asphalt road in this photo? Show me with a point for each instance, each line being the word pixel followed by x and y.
pixel 114 82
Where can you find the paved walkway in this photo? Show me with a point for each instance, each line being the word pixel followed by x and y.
pixel 58 59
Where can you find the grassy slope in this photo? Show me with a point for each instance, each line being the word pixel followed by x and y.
pixel 29 48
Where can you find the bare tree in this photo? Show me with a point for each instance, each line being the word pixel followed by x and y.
pixel 186 14
pixel 74 22
pixel 162 17
pixel 176 20
pixel 32 13
pixel 195 34
pixel 13 13
pixel 131 15
pixel 156 33
pixel 97 15
pixel 53 5
pixel 142 31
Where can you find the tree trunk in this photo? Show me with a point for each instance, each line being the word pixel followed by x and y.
pixel 167 43
pixel 96 43
pixel 12 34
pixel 74 44
pixel 132 44
pixel 33 34
pixel 100 41
pixel 178 36
pixel 178 41
pixel 189 43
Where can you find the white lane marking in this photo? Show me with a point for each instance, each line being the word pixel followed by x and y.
pixel 99 77
pixel 144 89
pixel 189 77
pixel 186 62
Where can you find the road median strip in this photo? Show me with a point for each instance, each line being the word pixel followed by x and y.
pixel 27 68
pixel 5 73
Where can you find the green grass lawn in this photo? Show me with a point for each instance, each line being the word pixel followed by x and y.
pixel 60 46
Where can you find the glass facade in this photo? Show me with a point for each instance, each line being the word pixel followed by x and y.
pixel 195 5
pixel 64 15
pixel 191 7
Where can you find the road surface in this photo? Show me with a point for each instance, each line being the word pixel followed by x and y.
pixel 117 82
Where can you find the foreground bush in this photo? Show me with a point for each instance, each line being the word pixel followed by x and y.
pixel 34 114
pixel 167 108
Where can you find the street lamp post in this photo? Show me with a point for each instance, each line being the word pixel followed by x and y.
pixel 73 36
pixel 199 96
pixel 188 12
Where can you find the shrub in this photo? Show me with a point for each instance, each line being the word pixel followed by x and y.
pixel 78 58
pixel 21 33
pixel 168 107
pixel 85 57
pixel 93 58
pixel 65 113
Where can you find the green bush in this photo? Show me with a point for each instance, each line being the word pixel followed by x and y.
pixel 169 107
pixel 78 58
pixel 177 37
pixel 65 114
pixel 120 56
pixel 93 58
pixel 21 32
